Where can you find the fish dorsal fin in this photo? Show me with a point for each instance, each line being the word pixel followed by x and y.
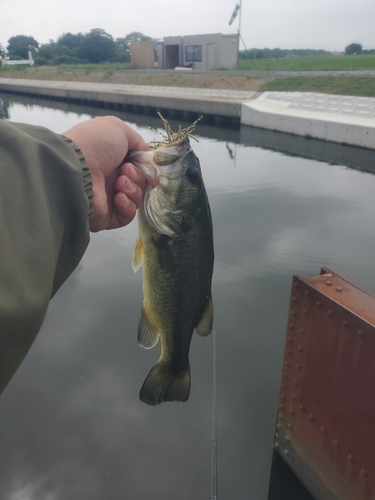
pixel 137 255
pixel 204 327
pixel 148 335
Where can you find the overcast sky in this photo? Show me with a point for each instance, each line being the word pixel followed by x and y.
pixel 288 24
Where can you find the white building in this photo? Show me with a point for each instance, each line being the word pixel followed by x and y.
pixel 204 52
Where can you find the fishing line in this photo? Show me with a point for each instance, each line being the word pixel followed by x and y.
pixel 214 424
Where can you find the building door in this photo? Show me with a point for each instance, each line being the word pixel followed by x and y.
pixel 211 56
pixel 172 56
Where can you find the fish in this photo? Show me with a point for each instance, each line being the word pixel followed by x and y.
pixel 176 250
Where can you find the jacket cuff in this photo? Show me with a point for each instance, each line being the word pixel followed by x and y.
pixel 86 177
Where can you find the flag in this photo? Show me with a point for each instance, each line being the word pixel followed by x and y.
pixel 234 15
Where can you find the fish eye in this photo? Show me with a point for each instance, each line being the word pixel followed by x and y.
pixel 193 175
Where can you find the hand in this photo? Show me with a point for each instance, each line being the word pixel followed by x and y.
pixel 117 186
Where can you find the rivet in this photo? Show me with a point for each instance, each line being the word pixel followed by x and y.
pixel 322 429
pixel 360 332
pixel 311 417
pixel 287 364
pixel 286 451
pixel 285 374
pixel 293 312
pixel 290 340
pixel 289 351
pixel 302 330
pixel 301 407
pixel 345 323
pixel 284 386
pixel 318 303
pixel 363 472
pixel 294 397
pixel 290 426
pixel 291 326
pixel 279 426
pixel 295 382
pixel 338 289
pixel 350 458
pixel 282 397
pixel 281 407
pixel 294 299
pixel 277 434
pixel 305 312
pixel 307 292
pixel 298 366
pixel 287 438
pixel 336 443
pixel 328 283
pixel 276 444
pixel 330 313
pixel 280 416
pixel 296 284
pixel 300 348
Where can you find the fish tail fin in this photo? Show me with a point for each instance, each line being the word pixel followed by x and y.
pixel 164 384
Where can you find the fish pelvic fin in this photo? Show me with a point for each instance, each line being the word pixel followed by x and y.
pixel 137 255
pixel 163 384
pixel 148 335
pixel 204 327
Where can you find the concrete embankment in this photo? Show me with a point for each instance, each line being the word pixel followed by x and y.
pixel 341 119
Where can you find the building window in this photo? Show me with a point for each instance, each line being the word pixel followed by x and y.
pixel 193 53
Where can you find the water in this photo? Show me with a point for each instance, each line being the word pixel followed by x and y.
pixel 71 423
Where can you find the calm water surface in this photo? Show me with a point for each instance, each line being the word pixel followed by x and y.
pixel 71 423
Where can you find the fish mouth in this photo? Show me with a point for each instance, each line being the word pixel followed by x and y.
pixel 161 161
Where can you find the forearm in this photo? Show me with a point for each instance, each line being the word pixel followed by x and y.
pixel 45 194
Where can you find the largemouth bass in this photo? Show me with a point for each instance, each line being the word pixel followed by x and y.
pixel 175 248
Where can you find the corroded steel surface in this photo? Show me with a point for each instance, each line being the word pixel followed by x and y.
pixel 326 417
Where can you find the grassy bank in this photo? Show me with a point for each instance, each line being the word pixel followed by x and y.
pixel 340 85
pixel 310 63
pixel 352 85
pixel 209 81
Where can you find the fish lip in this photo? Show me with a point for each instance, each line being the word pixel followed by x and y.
pixel 153 170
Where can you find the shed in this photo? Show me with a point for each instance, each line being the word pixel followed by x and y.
pixel 202 52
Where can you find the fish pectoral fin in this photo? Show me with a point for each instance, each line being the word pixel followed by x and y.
pixel 148 335
pixel 163 384
pixel 137 255
pixel 204 327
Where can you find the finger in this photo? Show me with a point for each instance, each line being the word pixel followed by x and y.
pixel 133 173
pixel 126 209
pixel 130 189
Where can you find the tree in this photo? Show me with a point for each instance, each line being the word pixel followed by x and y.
pixel 353 49
pixel 2 51
pixel 19 46
pixel 97 46
pixel 134 36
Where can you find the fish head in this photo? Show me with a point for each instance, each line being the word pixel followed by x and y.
pixel 175 188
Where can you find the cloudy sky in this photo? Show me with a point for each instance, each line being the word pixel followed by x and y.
pixel 327 24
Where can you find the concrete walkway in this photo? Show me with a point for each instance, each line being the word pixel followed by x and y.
pixel 343 119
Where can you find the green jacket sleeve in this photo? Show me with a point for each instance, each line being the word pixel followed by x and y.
pixel 45 201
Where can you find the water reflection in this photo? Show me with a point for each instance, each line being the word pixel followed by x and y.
pixel 72 424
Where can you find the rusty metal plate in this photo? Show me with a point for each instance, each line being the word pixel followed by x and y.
pixel 326 417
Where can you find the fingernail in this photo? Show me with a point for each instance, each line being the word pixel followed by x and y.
pixel 133 174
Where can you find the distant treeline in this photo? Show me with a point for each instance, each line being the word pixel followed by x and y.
pixel 96 46
pixel 279 53
pixel 352 49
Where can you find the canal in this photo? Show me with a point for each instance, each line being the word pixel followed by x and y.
pixel 71 423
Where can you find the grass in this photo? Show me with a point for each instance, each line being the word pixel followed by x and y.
pixel 310 63
pixel 341 85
